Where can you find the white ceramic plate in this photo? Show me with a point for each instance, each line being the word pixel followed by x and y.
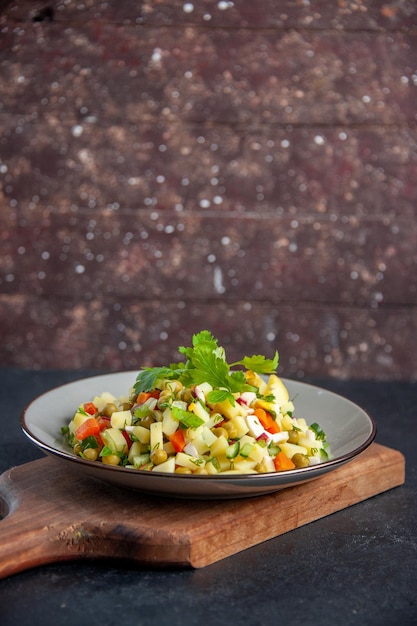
pixel 349 429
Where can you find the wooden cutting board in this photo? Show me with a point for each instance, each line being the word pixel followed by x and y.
pixel 51 515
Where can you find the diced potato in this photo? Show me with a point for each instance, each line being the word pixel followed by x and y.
pixel 258 453
pixel 241 425
pixel 169 423
pixel 278 389
pixel 309 443
pixel 287 422
pixel 266 465
pixel 194 433
pixel 227 409
pixel 114 440
pixel 77 420
pixel 211 467
pixel 186 460
pixel 287 408
pixel 292 448
pixel 136 449
pixel 219 446
pixel 142 433
pixel 156 438
pixel 215 418
pixel 200 446
pixel 121 419
pixel 208 436
pixel 244 465
pixel 168 466
pixel 198 409
pixel 105 398
pixel 301 423
pixel 169 448
pixel 246 439
pixel 224 462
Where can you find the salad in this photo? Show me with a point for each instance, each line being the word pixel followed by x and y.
pixel 201 416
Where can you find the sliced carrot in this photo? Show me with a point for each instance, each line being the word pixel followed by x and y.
pixel 177 439
pixel 87 428
pixel 142 397
pixel 274 427
pixel 267 420
pixel 145 395
pixel 282 462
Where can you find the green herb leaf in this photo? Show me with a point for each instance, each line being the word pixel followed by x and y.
pixel 208 367
pixel 220 395
pixel 89 442
pixel 189 419
pixel 259 364
pixel 146 379
pixel 206 362
pixel 106 451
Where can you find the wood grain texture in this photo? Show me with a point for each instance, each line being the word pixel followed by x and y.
pixel 118 334
pixel 215 164
pixel 48 520
pixel 314 15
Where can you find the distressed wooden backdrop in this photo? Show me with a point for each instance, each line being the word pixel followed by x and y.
pixel 248 167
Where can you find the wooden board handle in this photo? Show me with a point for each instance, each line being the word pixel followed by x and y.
pixel 24 540
pixel 52 516
pixel 29 533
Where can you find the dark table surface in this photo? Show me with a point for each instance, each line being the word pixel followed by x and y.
pixel 357 566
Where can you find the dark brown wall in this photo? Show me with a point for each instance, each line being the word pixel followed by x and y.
pixel 246 167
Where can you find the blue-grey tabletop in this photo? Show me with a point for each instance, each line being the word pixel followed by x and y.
pixel 357 566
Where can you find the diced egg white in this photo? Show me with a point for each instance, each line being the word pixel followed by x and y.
pixel 248 397
pixel 278 437
pixel 255 427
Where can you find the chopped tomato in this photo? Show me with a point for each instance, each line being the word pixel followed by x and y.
pixel 87 428
pixel 103 422
pixel 90 408
pixel 177 440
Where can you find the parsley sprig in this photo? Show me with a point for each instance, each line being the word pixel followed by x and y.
pixel 205 361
